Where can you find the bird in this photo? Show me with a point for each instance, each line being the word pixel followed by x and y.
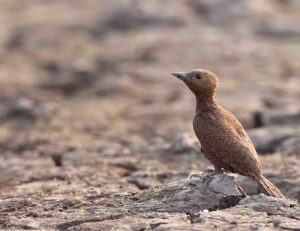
pixel 224 141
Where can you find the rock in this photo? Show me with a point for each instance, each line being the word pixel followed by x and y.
pixel 16 41
pixel 267 139
pixel 221 12
pixel 131 14
pixel 199 192
pixel 142 182
pixel 24 108
pixel 70 77
pixel 258 119
pixel 22 145
pixel 57 160
pixel 270 205
pixel 29 223
pixel 9 205
pixel 285 119
pixel 249 185
pixel 277 133
pixel 98 77
pixel 290 225
pixel 130 165
pixel 272 101
pixel 108 86
pixel 289 186
pixel 134 222
pixel 184 142
pixel 279 32
pixel 290 146
pixel 70 224
pixel 258 212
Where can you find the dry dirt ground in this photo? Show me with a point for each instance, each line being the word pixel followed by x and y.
pixel 90 116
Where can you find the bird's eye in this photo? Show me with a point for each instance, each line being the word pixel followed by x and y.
pixel 198 76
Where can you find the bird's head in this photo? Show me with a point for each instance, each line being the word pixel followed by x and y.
pixel 201 82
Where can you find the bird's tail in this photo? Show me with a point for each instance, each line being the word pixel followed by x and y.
pixel 271 189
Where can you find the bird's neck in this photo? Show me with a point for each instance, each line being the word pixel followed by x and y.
pixel 205 103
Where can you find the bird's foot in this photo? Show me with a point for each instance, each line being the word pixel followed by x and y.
pixel 220 171
pixel 195 175
pixel 241 190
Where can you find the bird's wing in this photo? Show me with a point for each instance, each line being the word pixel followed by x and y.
pixel 221 141
pixel 232 120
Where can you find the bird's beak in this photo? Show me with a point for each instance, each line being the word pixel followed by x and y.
pixel 180 75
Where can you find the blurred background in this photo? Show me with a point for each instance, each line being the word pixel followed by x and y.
pixel 86 95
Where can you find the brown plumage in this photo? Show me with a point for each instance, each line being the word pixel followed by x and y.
pixel 224 141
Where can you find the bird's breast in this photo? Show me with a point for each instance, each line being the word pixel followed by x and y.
pixel 210 130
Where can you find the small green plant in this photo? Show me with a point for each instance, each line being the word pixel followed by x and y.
pixel 43 194
pixel 244 217
pixel 156 189
pixel 125 208
pixel 186 219
pixel 76 192
pixel 124 193
pixel 81 212
pixel 278 157
pixel 4 132
pixel 152 165
pixel 19 190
